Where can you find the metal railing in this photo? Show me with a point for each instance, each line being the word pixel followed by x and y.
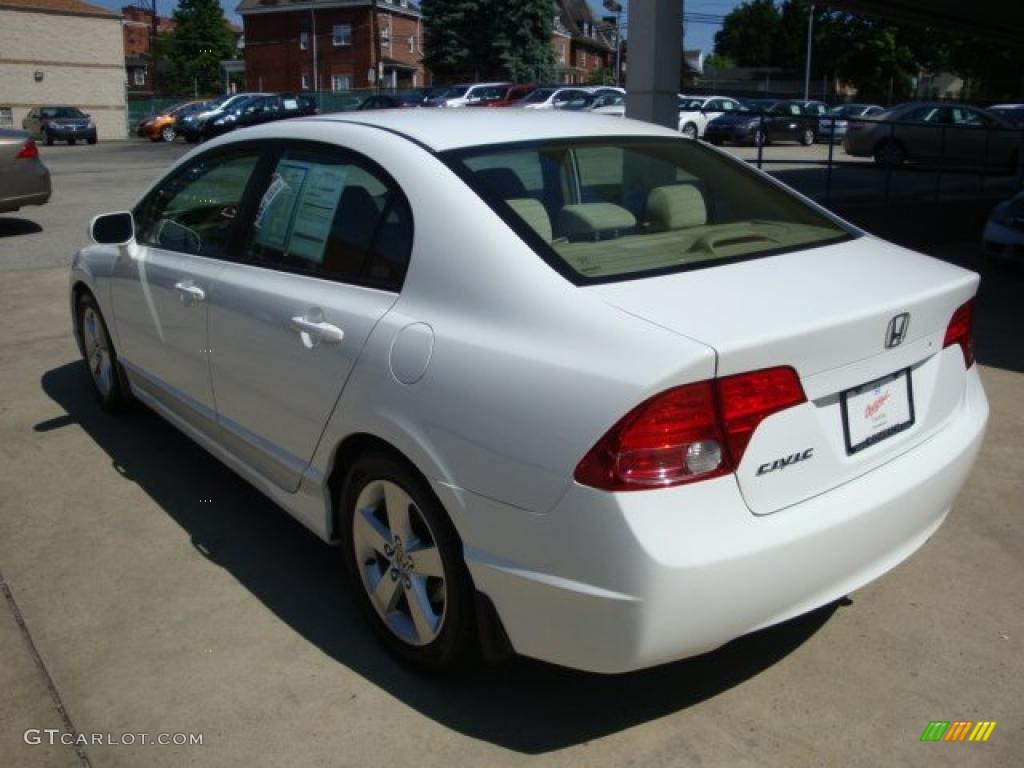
pixel 895 158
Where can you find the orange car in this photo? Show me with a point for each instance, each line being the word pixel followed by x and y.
pixel 161 127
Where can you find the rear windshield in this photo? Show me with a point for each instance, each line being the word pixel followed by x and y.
pixel 608 209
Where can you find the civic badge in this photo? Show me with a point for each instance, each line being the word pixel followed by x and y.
pixel 899 326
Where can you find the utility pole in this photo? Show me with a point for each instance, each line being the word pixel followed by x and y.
pixel 152 50
pixel 807 64
pixel 316 69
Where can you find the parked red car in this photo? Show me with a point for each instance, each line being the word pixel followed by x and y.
pixel 512 95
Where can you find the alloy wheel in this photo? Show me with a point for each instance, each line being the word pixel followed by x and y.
pixel 168 134
pixel 399 562
pixel 97 352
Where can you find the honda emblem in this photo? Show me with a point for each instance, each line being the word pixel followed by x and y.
pixel 897 332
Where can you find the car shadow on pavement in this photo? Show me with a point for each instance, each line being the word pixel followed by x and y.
pixel 521 705
pixel 14 226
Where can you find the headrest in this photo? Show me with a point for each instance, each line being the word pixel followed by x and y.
pixel 585 220
pixel 676 207
pixel 533 213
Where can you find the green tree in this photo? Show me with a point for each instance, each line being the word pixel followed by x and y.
pixel 193 49
pixel 467 39
pixel 749 34
pixel 451 50
pixel 521 41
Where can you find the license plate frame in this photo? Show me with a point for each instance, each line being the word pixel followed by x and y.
pixel 854 397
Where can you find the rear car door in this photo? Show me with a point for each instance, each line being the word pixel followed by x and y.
pixel 161 286
pixel 328 240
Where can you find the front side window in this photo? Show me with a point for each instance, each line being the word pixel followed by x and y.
pixel 600 210
pixel 342 34
pixel 329 214
pixel 194 211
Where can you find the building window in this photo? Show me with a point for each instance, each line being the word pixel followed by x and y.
pixel 385 33
pixel 304 40
pixel 342 34
pixel 412 43
pixel 305 82
pixel 582 59
pixel 139 76
pixel 341 82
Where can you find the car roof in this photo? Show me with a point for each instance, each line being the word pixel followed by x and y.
pixel 441 130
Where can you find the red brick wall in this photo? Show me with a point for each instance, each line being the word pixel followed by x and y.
pixel 274 60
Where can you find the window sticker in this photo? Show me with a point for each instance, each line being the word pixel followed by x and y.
pixel 274 217
pixel 298 208
pixel 315 212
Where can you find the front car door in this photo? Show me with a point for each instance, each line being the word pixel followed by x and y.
pixel 328 238
pixel 162 284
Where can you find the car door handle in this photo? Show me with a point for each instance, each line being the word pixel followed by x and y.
pixel 314 330
pixel 190 291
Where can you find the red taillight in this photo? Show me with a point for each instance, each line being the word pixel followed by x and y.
pixel 689 433
pixel 749 398
pixel 28 152
pixel 961 331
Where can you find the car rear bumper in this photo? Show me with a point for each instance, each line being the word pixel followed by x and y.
pixel 615 582
pixel 29 185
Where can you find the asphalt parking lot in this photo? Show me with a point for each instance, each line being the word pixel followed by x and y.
pixel 148 589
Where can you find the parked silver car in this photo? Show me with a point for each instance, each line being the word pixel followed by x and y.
pixel 932 132
pixel 24 180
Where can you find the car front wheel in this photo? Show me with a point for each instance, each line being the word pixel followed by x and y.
pixel 406 564
pixel 99 355
pixel 168 134
pixel 807 138
pixel 690 131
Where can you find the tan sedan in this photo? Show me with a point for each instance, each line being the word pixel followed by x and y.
pixel 953 134
pixel 24 180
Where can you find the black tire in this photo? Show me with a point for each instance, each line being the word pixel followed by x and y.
pixel 71 142
pixel 690 131
pixel 455 641
pixel 115 394
pixel 890 154
pixel 807 137
pixel 715 141
pixel 92 139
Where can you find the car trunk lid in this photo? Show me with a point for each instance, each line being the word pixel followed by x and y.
pixel 834 314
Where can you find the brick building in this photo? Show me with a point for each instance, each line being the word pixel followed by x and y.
pixel 57 52
pixel 332 45
pixel 582 43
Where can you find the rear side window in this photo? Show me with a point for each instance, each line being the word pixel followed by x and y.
pixel 601 210
pixel 330 214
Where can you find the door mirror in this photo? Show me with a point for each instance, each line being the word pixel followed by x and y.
pixel 112 229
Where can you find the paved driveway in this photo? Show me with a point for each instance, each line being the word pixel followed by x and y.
pixel 147 589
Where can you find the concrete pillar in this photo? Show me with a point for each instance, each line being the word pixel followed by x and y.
pixel 655 54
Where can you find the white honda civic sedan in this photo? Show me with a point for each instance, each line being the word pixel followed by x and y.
pixel 564 385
